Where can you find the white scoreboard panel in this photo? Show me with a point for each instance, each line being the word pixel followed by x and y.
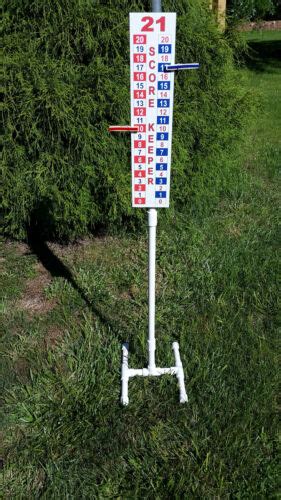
pixel 152 47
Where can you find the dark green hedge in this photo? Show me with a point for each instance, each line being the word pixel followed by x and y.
pixel 66 78
pixel 253 10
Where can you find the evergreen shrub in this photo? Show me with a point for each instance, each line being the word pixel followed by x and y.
pixel 66 79
pixel 253 10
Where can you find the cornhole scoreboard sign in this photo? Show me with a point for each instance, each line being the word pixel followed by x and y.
pixel 152 48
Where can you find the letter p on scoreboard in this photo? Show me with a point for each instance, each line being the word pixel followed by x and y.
pixel 152 47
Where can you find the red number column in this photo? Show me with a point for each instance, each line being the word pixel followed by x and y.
pixel 139 107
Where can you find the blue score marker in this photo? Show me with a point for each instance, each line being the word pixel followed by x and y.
pixel 175 67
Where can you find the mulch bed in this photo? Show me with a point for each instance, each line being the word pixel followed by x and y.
pixel 261 25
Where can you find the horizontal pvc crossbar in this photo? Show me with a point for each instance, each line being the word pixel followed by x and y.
pixel 175 67
pixel 122 128
pixel 155 372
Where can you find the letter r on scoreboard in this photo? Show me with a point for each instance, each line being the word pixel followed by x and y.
pixel 152 47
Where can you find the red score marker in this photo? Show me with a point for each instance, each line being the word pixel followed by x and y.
pixel 122 128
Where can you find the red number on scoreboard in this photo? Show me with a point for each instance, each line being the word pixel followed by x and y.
pixel 139 39
pixel 141 58
pixel 149 22
pixel 147 26
pixel 161 21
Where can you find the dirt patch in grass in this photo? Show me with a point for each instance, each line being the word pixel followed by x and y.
pixel 21 368
pixel 84 249
pixel 72 250
pixel 234 231
pixel 52 336
pixel 34 300
pixel 22 249
pixel 17 247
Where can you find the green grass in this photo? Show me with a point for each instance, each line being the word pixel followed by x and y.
pixel 67 436
pixel 263 36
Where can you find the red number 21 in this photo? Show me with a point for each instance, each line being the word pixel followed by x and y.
pixel 149 23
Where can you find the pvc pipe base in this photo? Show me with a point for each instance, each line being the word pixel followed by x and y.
pixel 127 373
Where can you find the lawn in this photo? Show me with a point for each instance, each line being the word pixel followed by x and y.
pixel 268 36
pixel 66 309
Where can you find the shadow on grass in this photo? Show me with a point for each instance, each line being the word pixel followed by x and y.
pixel 264 56
pixel 57 268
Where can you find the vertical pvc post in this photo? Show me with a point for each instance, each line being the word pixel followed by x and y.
pixel 156 6
pixel 152 223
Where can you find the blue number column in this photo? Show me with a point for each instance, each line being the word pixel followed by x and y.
pixel 163 122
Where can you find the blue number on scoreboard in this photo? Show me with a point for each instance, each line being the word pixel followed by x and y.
pixel 161 136
pixel 161 166
pixel 162 120
pixel 165 49
pixel 163 103
pixel 161 180
pixel 164 85
pixel 161 151
pixel 162 67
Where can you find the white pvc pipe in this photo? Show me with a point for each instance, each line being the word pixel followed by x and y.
pixel 180 374
pixel 128 373
pixel 156 6
pixel 125 375
pixel 152 223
